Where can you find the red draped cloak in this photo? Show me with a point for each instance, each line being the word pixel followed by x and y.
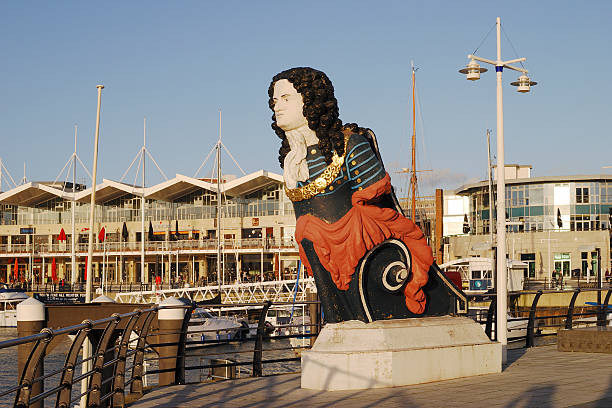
pixel 341 245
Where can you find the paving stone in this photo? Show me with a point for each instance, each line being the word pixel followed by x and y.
pixel 541 377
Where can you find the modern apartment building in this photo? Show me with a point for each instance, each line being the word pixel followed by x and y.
pixel 557 223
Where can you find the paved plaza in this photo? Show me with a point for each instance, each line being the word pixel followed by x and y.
pixel 537 377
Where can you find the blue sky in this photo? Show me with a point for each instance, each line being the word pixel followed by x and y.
pixel 178 63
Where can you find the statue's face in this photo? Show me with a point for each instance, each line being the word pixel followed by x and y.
pixel 288 106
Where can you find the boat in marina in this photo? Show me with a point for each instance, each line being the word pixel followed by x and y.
pixel 203 326
pixel 476 273
pixel 9 299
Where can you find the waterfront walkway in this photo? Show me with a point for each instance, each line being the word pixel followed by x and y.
pixel 537 377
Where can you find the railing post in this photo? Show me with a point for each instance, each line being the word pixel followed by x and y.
pixel 136 386
pixel 64 396
pixel 30 320
pixel 94 398
pixel 180 360
pixel 602 310
pixel 490 316
pixel 570 310
pixel 529 340
pixel 257 352
pixel 314 310
pixel 170 318
pixel 118 399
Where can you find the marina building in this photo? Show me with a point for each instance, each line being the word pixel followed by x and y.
pixel 557 223
pixel 180 235
pixel 553 223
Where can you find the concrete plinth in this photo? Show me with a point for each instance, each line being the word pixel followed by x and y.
pixel 356 355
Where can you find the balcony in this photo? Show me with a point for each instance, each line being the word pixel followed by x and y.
pixel 258 244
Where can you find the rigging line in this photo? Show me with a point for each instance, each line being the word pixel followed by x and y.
pixel 426 157
pixel 66 179
pixel 512 45
pixel 84 167
pixel 156 165
pixel 130 166
pixel 8 173
pixel 69 162
pixel 137 171
pixel 212 169
pixel 232 157
pixel 204 162
pixel 484 39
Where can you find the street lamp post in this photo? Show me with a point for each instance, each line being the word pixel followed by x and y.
pixel 473 71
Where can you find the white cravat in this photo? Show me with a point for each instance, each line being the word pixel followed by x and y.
pixel 296 167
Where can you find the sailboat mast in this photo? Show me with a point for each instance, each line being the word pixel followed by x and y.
pixel 73 274
pixel 142 206
pixel 413 179
pixel 219 207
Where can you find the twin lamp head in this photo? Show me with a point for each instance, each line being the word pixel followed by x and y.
pixel 473 71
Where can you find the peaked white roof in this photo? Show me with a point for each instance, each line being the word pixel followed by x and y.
pixel 108 190
pixel 251 182
pixel 33 193
pixel 177 187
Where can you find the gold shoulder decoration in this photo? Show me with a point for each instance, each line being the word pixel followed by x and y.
pixel 320 183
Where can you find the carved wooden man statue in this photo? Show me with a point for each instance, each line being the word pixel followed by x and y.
pixel 368 260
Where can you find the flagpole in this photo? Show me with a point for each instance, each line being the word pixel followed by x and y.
pixel 103 260
pixel 142 207
pixel 73 272
pixel 92 208
pixel 86 345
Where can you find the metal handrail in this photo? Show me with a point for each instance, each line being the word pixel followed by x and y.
pixel 116 355
pixel 599 313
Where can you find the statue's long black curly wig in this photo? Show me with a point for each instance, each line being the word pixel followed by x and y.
pixel 320 110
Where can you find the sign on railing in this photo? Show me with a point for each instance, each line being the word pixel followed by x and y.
pixel 60 297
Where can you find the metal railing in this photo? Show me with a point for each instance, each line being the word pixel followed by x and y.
pixel 153 246
pixel 123 345
pixel 538 322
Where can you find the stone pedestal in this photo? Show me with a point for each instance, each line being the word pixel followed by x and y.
pixel 355 355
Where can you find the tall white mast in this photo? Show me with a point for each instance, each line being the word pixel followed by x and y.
pixel 92 207
pixel 142 208
pixel 73 274
pixel 219 277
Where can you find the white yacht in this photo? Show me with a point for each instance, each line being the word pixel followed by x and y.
pixel 8 306
pixel 205 326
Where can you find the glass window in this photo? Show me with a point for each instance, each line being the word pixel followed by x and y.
pixel 529 259
pixel 562 263
pixel 580 222
pixel 588 267
pixel 582 195
pixel 536 195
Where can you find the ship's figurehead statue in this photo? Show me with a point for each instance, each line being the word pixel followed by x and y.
pixel 368 260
